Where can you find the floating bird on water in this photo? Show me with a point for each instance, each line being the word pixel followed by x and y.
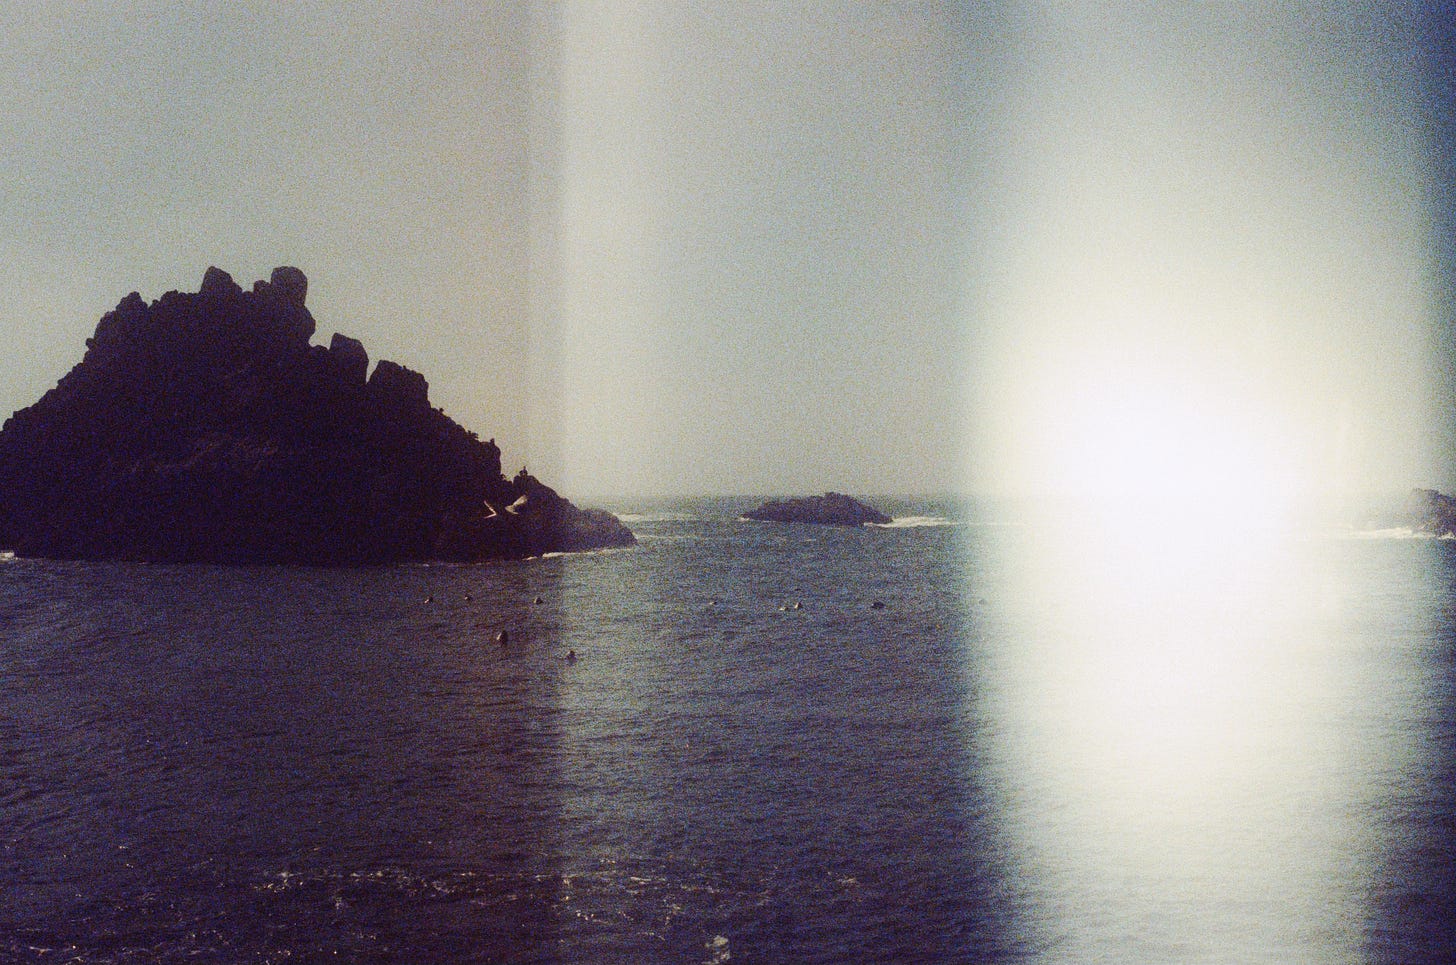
pixel 502 637
pixel 571 656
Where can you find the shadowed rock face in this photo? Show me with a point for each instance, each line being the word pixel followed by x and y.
pixel 349 358
pixel 832 509
pixel 1427 511
pixel 206 427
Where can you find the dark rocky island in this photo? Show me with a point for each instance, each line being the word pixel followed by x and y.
pixel 1424 511
pixel 831 509
pixel 207 428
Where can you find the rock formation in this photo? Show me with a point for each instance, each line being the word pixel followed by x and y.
pixel 833 509
pixel 1424 511
pixel 206 427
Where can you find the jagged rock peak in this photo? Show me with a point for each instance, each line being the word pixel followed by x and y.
pixel 205 427
pixel 349 358
pixel 218 282
pixel 286 283
pixel 289 282
pixel 287 288
pixel 399 384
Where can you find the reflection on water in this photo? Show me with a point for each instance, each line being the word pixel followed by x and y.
pixel 1413 894
pixel 774 784
pixel 203 764
pixel 1037 750
pixel 1202 764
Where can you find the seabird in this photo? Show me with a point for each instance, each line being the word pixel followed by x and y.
pixel 502 637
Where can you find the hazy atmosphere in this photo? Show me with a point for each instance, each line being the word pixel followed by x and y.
pixel 298 669
pixel 656 249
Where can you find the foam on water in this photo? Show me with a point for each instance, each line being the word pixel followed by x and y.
pixel 604 551
pixel 1394 532
pixel 663 517
pixel 911 522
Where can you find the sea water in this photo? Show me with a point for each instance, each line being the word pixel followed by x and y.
pixel 928 742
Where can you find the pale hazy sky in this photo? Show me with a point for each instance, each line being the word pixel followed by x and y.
pixel 1226 210
pixel 380 147
pixel 660 247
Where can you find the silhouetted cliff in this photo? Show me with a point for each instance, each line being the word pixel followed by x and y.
pixel 206 427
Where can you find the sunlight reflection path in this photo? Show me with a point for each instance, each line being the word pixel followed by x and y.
pixel 1194 760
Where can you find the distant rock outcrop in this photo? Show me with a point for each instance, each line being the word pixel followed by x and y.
pixel 206 427
pixel 1425 511
pixel 833 509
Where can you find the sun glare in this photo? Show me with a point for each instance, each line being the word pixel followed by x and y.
pixel 1168 598
pixel 1165 480
pixel 1169 555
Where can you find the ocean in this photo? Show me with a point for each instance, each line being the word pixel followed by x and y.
pixel 946 740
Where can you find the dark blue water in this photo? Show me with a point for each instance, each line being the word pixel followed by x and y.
pixel 278 764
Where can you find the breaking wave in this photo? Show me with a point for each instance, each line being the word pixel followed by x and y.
pixel 1394 532
pixel 908 522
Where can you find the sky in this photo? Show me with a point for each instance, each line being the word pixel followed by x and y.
pixel 664 248
pixel 1216 231
pixel 382 148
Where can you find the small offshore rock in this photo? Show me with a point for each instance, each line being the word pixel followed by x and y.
pixel 831 509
